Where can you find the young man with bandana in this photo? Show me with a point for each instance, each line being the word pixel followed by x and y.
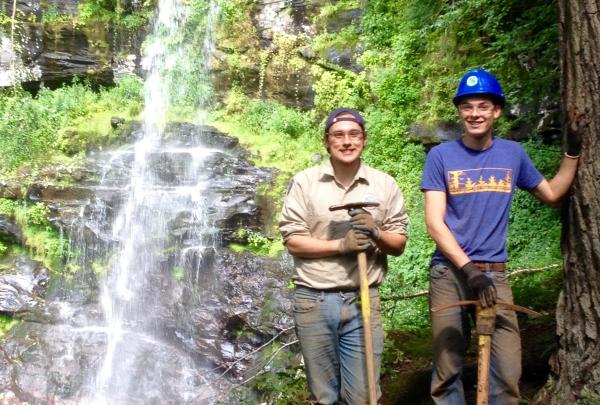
pixel 324 245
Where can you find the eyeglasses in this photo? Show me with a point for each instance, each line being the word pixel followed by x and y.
pixel 485 108
pixel 354 135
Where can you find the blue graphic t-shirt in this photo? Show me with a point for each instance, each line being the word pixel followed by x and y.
pixel 479 186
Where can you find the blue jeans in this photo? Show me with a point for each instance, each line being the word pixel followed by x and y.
pixel 330 330
pixel 451 333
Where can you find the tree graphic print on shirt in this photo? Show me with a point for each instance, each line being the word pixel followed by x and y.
pixel 486 179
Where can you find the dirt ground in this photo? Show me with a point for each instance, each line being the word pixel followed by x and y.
pixel 406 374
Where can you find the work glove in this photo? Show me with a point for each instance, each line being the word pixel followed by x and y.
pixel 577 123
pixel 354 241
pixel 481 285
pixel 362 221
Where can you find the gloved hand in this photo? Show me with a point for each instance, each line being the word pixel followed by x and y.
pixel 577 122
pixel 482 285
pixel 354 241
pixel 363 221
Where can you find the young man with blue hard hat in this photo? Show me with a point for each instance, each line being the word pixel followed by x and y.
pixel 468 186
pixel 324 245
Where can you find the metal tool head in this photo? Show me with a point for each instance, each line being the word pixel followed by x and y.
pixel 357 204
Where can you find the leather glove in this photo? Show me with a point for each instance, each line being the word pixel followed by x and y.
pixel 362 221
pixel 577 123
pixel 482 285
pixel 354 241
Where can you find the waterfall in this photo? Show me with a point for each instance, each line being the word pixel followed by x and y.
pixel 165 186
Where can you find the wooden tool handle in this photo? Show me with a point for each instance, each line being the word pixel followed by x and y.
pixel 366 315
pixel 483 369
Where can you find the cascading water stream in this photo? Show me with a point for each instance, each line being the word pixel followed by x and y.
pixel 153 305
pixel 137 339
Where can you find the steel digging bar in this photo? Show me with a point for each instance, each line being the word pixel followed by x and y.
pixel 365 305
pixel 485 325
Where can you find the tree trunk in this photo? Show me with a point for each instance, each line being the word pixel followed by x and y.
pixel 575 367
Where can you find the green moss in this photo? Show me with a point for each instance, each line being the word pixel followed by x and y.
pixel 178 273
pixel 100 267
pixel 237 248
pixel 43 241
pixel 6 323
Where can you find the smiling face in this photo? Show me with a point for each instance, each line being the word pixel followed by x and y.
pixel 345 141
pixel 478 115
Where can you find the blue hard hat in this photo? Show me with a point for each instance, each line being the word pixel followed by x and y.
pixel 479 82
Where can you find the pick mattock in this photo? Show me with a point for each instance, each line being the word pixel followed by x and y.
pixel 485 326
pixel 365 304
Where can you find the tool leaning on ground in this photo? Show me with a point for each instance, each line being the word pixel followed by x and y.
pixel 365 304
pixel 485 326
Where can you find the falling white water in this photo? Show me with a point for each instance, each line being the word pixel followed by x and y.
pixel 136 343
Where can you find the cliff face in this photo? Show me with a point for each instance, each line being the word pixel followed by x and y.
pixel 273 54
pixel 50 43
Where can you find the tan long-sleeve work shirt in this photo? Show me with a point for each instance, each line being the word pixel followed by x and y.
pixel 306 212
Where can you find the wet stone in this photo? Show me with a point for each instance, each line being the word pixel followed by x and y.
pixel 200 308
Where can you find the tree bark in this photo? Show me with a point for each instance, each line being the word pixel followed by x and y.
pixel 575 367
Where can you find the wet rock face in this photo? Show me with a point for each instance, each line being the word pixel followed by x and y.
pixel 276 78
pixel 212 308
pixel 10 231
pixel 23 287
pixel 56 52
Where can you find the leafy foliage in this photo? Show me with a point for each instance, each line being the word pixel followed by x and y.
pixel 32 129
pixel 258 244
pixel 113 11
pixel 413 54
pixel 53 15
pixel 43 240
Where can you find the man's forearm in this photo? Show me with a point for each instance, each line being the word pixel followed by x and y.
pixel 447 244
pixel 563 179
pixel 391 243
pixel 306 246
pixel 435 212
pixel 551 192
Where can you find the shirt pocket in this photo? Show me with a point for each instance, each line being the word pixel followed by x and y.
pixel 328 225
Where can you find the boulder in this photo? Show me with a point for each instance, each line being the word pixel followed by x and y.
pixel 23 287
pixel 10 231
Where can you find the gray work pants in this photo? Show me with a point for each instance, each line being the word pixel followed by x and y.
pixel 451 335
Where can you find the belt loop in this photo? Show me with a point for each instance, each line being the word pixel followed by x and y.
pixel 322 298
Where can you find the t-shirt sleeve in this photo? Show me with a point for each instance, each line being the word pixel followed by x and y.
pixel 396 219
pixel 293 213
pixel 433 172
pixel 529 177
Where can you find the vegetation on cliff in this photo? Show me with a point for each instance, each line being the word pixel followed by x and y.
pixel 411 55
pixel 406 57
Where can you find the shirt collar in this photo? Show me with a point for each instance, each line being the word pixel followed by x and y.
pixel 326 172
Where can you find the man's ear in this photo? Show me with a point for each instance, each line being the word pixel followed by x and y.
pixel 325 143
pixel 497 111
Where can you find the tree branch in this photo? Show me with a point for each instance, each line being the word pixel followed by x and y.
pixel 425 292
pixel 253 352
pixel 269 361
